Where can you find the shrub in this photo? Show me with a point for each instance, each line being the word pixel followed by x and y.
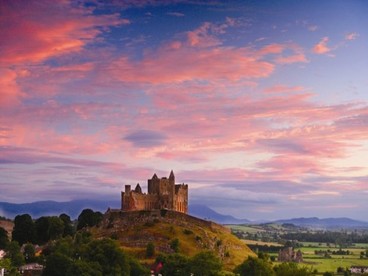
pixel 187 232
pixel 150 250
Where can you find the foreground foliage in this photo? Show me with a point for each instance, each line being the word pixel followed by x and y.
pixel 262 266
pixel 84 256
pixel 202 264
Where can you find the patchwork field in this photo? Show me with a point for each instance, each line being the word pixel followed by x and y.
pixel 326 261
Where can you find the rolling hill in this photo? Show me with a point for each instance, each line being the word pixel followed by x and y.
pixel 135 229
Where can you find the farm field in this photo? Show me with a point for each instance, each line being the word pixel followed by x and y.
pixel 269 238
pixel 252 242
pixel 323 264
pixel 249 229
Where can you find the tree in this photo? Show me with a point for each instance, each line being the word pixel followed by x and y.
pixel 173 264
pixel 291 269
pixel 3 238
pixel 68 226
pixel 174 245
pixel 29 253
pixel 14 254
pixel 109 256
pixel 205 264
pixel 56 228
pixel 254 266
pixel 57 265
pixel 136 269
pixel 89 218
pixel 150 250
pixel 24 229
pixel 65 246
pixel 5 263
pixel 83 268
pixel 82 256
pixel 42 230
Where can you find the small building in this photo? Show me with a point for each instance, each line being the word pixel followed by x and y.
pixel 32 269
pixel 163 193
pixel 2 254
pixel 288 254
pixel 359 269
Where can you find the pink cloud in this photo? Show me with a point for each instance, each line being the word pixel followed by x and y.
pixel 64 28
pixel 201 56
pixel 283 89
pixel 187 64
pixel 292 166
pixel 10 92
pixel 271 49
pixel 321 47
pixel 203 36
pixel 278 49
pixel 300 57
pixel 352 36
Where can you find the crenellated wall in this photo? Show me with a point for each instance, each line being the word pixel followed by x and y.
pixel 163 193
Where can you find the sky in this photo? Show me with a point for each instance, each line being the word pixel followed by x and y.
pixel 261 107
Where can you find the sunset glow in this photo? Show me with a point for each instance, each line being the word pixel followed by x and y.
pixel 260 106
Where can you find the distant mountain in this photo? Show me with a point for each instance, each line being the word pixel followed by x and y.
pixel 327 223
pixel 73 209
pixel 48 208
pixel 204 212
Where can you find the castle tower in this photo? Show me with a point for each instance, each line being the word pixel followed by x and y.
pixel 163 193
pixel 172 178
pixel 153 185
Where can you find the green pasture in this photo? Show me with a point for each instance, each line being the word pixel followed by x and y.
pixel 245 228
pixel 252 242
pixel 323 264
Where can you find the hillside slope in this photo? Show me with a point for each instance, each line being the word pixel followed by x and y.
pixel 7 225
pixel 134 230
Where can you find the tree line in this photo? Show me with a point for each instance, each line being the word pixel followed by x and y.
pixel 327 237
pixel 27 233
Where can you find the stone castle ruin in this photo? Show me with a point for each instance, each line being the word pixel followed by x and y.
pixel 163 193
pixel 289 255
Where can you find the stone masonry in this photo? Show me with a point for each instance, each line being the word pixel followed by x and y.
pixel 163 193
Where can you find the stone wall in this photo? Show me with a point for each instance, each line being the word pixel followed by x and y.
pixel 163 193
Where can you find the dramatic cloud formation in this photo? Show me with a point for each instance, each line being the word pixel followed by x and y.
pixel 244 107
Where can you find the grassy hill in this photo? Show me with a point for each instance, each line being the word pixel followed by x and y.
pixel 134 230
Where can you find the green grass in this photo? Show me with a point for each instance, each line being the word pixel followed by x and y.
pixel 245 228
pixel 194 236
pixel 323 264
pixel 248 242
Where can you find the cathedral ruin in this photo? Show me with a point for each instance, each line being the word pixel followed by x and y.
pixel 163 193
